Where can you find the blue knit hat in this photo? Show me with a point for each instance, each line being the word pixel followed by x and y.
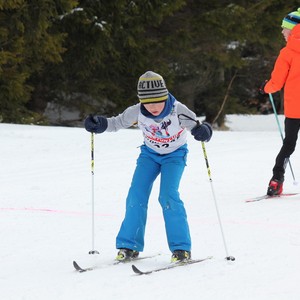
pixel 291 20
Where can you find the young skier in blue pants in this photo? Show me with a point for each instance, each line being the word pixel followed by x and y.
pixel 164 122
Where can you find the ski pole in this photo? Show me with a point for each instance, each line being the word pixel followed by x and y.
pixel 228 257
pixel 93 251
pixel 280 131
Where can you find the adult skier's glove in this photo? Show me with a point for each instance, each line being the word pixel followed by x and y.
pixel 262 88
pixel 96 124
pixel 202 132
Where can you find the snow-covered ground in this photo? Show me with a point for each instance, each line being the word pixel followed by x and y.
pixel 46 220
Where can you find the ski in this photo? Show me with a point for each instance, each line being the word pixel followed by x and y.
pixel 270 197
pixel 81 270
pixel 170 266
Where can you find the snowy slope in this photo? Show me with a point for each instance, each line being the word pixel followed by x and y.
pixel 45 217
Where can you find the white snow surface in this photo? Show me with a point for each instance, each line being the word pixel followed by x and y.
pixel 46 217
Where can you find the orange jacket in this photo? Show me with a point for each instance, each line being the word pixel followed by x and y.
pixel 286 73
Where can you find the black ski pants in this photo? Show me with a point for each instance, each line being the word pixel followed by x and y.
pixel 291 128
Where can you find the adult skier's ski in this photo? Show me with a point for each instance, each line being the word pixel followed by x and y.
pixel 81 270
pixel 270 197
pixel 170 266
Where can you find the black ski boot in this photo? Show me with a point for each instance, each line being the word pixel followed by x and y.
pixel 125 254
pixel 180 256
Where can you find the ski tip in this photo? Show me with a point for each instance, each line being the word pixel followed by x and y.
pixel 136 270
pixel 75 264
pixel 79 269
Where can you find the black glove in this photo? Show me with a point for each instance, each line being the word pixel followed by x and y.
pixel 96 124
pixel 202 132
pixel 262 88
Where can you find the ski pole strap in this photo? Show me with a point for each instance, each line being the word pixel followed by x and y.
pixel 188 118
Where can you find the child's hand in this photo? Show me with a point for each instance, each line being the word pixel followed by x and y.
pixel 96 124
pixel 202 132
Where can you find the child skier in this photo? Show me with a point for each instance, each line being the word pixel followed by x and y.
pixel 164 122
pixel 286 73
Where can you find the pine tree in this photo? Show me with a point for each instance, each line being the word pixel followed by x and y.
pixel 107 50
pixel 225 41
pixel 27 43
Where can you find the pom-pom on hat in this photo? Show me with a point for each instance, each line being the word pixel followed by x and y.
pixel 291 20
pixel 152 88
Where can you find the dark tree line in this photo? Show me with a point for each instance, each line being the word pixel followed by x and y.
pixel 86 56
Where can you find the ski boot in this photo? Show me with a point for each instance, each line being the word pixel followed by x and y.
pixel 275 187
pixel 125 254
pixel 180 256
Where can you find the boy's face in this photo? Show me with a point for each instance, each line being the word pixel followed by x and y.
pixel 155 108
pixel 286 32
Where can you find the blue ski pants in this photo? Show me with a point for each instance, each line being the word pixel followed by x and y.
pixel 149 165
